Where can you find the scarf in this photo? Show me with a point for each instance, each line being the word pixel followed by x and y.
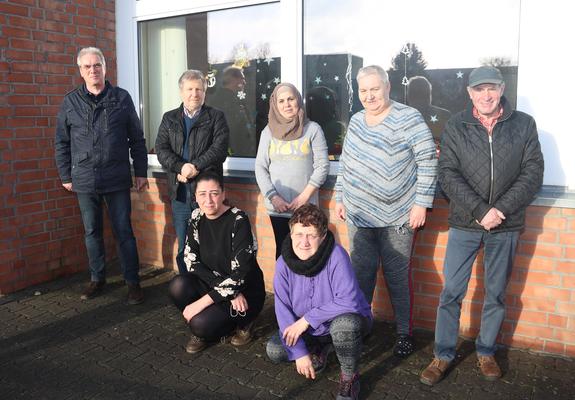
pixel 281 128
pixel 313 265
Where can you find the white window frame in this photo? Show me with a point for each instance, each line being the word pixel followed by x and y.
pixel 130 12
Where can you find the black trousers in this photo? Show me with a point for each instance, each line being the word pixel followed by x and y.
pixel 217 320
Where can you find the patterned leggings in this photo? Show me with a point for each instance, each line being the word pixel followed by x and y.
pixel 346 332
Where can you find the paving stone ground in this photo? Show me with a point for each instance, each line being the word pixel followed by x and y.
pixel 55 346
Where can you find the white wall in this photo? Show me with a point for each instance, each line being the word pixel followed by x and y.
pixel 547 82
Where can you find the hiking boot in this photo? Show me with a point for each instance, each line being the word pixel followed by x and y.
pixel 404 346
pixel 243 335
pixel 489 368
pixel 195 345
pixel 93 289
pixel 348 387
pixel 319 357
pixel 434 372
pixel 135 294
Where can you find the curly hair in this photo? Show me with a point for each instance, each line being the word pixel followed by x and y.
pixel 310 215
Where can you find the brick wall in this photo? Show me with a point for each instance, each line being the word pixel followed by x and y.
pixel 541 295
pixel 41 236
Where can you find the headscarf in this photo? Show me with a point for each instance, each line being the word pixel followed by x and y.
pixel 281 128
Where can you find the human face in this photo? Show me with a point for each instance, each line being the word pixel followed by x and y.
pixel 305 240
pixel 373 94
pixel 287 104
pixel 210 198
pixel 193 94
pixel 92 71
pixel 486 98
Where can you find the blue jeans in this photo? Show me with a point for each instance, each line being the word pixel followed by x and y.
pixel 119 209
pixel 181 213
pixel 462 249
pixel 392 247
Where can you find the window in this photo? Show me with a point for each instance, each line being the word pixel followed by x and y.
pixel 238 51
pixel 427 48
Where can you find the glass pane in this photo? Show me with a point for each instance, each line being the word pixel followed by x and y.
pixel 428 49
pixel 238 51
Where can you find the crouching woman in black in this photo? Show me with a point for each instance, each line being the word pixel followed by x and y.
pixel 223 291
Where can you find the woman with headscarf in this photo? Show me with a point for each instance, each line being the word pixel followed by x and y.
pixel 292 161
pixel 318 303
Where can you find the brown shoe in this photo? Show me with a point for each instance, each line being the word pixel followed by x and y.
pixel 93 289
pixel 243 335
pixel 195 345
pixel 489 368
pixel 135 294
pixel 434 372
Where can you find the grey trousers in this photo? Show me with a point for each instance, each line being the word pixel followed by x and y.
pixel 391 247
pixel 346 333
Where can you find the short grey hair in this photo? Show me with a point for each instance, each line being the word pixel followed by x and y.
pixel 192 75
pixel 373 70
pixel 91 50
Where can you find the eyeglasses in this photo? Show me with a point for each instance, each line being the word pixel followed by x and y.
pixel 89 67
pixel 309 236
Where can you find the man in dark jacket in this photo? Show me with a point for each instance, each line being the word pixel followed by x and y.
pixel 490 167
pixel 97 132
pixel 192 138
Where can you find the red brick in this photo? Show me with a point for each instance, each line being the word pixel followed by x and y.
pixel 558 321
pixel 13 9
pixel 565 267
pixel 540 250
pixel 534 331
pixel 543 278
pixel 567 238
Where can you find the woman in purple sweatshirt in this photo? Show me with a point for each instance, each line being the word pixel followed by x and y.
pixel 318 304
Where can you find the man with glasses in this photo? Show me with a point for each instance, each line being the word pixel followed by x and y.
pixel 97 132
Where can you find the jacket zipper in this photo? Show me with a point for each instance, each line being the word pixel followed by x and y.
pixel 491 157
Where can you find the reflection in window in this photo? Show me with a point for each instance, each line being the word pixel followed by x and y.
pixel 428 49
pixel 237 50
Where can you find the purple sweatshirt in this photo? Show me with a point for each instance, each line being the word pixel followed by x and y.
pixel 319 299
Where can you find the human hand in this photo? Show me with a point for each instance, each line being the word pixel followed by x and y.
pixel 292 333
pixel 304 367
pixel 197 307
pixel 240 303
pixel 340 211
pixel 181 178
pixel 417 216
pixel 280 205
pixel 68 186
pixel 492 219
pixel 189 170
pixel 299 201
pixel 142 183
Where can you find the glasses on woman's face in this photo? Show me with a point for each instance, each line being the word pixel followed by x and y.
pixel 299 236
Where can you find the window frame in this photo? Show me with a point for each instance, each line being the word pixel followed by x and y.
pixel 135 11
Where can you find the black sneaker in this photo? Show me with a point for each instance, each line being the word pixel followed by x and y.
pixel 348 387
pixel 319 357
pixel 404 346
pixel 135 294
pixel 93 289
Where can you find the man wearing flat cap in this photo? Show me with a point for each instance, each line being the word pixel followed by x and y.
pixel 490 168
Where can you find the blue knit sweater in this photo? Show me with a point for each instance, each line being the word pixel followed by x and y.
pixel 385 169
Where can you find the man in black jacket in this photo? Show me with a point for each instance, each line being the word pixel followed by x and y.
pixel 97 132
pixel 490 168
pixel 191 138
